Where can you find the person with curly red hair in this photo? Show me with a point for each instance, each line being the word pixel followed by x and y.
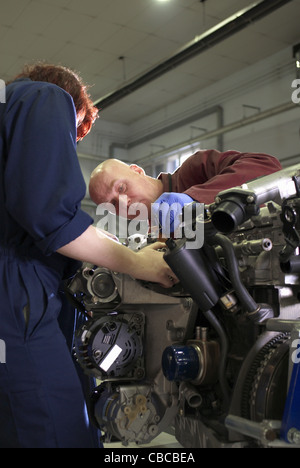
pixel 71 82
pixel 43 234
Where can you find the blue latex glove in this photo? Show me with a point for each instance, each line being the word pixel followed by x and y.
pixel 167 210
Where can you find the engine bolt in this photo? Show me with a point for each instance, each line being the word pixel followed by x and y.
pixel 294 436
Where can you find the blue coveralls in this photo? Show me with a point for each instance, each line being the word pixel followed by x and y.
pixel 41 399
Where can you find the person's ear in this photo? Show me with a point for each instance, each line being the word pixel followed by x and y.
pixel 137 169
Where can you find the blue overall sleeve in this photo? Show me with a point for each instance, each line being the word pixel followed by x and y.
pixel 41 187
pixel 44 185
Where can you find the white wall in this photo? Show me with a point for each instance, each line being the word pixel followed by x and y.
pixel 245 94
pixel 263 86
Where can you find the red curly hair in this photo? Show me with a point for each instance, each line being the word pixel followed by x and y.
pixel 72 83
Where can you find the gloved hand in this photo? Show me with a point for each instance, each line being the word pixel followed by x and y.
pixel 167 210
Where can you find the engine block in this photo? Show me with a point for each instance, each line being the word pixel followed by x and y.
pixel 212 355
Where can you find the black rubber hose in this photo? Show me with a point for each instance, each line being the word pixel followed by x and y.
pixel 210 316
pixel 234 273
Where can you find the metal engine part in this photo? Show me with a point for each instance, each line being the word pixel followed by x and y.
pixel 121 344
pixel 211 356
pixel 129 413
pixel 111 346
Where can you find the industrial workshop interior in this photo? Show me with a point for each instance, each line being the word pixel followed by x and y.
pixel 150 226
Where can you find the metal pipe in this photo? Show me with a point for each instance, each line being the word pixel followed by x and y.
pixel 97 159
pixel 266 431
pixel 114 146
pixel 226 129
pixel 201 43
pixel 218 110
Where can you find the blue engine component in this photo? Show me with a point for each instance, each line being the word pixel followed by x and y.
pixel 180 363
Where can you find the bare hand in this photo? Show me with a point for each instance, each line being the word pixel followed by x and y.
pixel 153 266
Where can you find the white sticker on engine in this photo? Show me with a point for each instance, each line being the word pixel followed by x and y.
pixel 110 358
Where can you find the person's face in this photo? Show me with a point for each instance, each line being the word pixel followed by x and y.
pixel 128 190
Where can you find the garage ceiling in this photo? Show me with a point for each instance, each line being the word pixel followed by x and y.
pixel 112 42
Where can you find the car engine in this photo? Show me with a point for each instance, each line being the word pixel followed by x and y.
pixel 216 356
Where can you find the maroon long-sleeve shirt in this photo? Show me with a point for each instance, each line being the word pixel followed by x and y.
pixel 208 172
